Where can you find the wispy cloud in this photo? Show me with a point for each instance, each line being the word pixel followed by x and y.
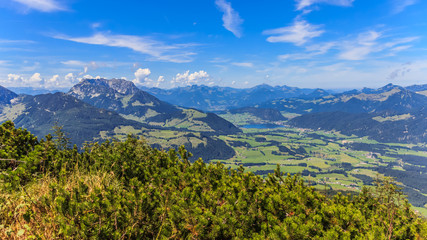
pixel 311 51
pixel 298 33
pixel 370 42
pixel 158 50
pixel 43 5
pixel 400 72
pixel 243 64
pixel 231 19
pixel 359 49
pixel 301 4
pixel 400 5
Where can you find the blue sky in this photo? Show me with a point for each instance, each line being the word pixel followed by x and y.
pixel 166 43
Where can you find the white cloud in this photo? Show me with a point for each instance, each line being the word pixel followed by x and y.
pixel 160 80
pixel 301 4
pixel 231 19
pixel 185 79
pixel 141 76
pixel 43 5
pixel 299 33
pixel 70 78
pixel 74 63
pixel 368 43
pixel 401 48
pixel 158 50
pixel 87 76
pixel 15 78
pixel 400 5
pixel 36 78
pixel 38 81
pixel 243 64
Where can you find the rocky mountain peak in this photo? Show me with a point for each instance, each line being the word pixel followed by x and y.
pixel 89 87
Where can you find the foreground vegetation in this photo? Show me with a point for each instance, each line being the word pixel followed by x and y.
pixel 128 190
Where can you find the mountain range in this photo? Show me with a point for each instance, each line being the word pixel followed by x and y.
pixel 132 103
pixel 95 109
pixel 222 98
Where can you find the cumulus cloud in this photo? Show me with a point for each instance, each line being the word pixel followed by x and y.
pixel 71 78
pixel 141 76
pixel 36 80
pixel 53 81
pixel 87 76
pixel 158 50
pixel 231 19
pixel 301 4
pixel 185 79
pixel 299 33
pixel 15 78
pixel 160 80
pixel 43 5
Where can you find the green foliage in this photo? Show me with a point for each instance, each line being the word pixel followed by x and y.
pixel 128 190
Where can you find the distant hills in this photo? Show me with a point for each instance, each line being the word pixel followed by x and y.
pixel 222 98
pixel 388 114
pixel 391 113
pixel 388 98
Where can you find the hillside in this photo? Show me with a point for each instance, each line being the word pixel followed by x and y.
pixel 222 98
pixel 83 122
pixel 384 127
pixel 6 95
pixel 132 103
pixel 127 190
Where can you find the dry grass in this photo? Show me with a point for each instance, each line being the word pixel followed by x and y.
pixel 43 224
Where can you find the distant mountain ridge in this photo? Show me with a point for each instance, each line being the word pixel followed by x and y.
pixel 217 98
pixel 389 97
pixel 388 114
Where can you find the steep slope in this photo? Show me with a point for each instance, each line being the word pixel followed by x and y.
pixel 132 103
pixel 222 98
pixel 81 121
pixel 420 89
pixel 6 95
pixel 405 128
pixel 267 114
